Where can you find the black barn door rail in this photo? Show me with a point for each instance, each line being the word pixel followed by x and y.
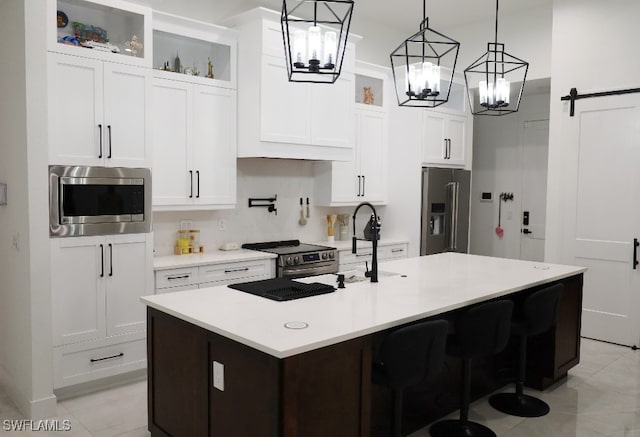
pixel 573 96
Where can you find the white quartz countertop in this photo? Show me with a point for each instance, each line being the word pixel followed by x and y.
pixel 421 287
pixel 346 244
pixel 207 258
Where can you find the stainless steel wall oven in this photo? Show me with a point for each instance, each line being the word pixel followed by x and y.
pixel 98 200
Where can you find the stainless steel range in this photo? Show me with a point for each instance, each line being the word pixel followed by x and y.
pixel 296 260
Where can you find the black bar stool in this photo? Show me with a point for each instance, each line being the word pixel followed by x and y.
pixel 539 314
pixel 480 331
pixel 407 356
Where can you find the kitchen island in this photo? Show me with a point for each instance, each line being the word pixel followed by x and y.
pixel 223 362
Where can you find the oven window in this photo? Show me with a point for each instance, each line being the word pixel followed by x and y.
pixel 96 200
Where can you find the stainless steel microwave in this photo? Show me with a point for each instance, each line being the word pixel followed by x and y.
pixel 98 200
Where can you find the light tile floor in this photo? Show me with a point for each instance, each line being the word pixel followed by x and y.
pixel 601 397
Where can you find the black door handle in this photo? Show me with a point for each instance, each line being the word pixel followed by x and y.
pixel 109 131
pixel 102 260
pixel 110 259
pixel 100 135
pixel 198 183
pixel 635 253
pixel 191 179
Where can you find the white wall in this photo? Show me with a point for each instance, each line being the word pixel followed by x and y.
pixel 258 178
pixel 585 33
pixel 497 167
pixel 25 321
pixel 526 35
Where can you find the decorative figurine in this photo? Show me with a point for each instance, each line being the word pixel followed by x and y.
pixel 133 46
pixel 209 68
pixel 368 96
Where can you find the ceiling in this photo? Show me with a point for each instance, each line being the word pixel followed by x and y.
pixel 406 15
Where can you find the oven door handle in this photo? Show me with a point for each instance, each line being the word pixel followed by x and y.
pixel 315 270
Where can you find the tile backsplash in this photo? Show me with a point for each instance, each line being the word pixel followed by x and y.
pixel 258 178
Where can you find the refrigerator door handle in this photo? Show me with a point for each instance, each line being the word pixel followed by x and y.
pixel 453 195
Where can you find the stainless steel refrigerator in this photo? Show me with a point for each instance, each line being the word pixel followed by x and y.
pixel 445 210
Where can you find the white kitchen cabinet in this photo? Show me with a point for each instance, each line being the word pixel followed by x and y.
pixel 386 252
pixel 96 283
pixel 364 177
pixel 282 119
pixel 194 136
pixel 98 112
pixel 118 20
pixel 446 139
pixel 210 275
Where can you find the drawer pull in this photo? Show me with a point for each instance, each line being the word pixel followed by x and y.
pixel 95 360
pixel 237 270
pixel 172 278
pixel 363 254
pixel 397 250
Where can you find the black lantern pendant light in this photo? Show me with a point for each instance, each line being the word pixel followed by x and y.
pixel 494 73
pixel 420 63
pixel 315 38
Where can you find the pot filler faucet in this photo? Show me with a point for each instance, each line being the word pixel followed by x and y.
pixel 373 228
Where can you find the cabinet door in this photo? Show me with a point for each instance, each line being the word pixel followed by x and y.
pixel 127 270
pixel 285 107
pixel 456 133
pixel 433 140
pixel 75 110
pixel 172 112
pixel 77 289
pixel 332 112
pixel 346 181
pixel 371 145
pixel 127 93
pixel 214 145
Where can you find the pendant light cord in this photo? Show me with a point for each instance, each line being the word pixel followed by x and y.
pixel 496 40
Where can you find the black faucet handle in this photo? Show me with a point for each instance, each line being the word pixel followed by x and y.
pixel 367 273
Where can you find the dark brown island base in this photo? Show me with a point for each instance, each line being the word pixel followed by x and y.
pixel 327 390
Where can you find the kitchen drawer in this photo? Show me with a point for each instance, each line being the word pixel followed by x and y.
pixel 231 272
pixel 178 288
pixel 395 251
pixel 176 277
pixel 73 366
pixel 362 255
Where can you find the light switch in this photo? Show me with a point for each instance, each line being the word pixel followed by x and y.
pixel 218 375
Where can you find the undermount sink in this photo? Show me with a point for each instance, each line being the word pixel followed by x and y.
pixel 351 276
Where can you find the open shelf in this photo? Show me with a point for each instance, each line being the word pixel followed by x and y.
pixel 376 86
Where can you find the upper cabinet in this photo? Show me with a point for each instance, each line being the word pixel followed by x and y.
pixel 98 112
pixel 447 131
pixel 282 119
pixel 364 176
pixel 108 30
pixel 194 115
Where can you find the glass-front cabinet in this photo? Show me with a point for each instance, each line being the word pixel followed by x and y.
pixel 109 30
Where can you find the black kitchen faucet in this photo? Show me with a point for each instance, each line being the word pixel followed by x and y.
pixel 374 231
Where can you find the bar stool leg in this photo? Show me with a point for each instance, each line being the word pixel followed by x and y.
pixel 518 403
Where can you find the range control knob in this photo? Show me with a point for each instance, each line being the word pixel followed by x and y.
pixel 288 261
pixel 331 255
pixel 325 255
pixel 296 260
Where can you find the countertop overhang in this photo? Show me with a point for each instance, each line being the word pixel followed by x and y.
pixel 422 287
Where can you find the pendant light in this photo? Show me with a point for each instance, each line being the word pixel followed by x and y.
pixel 494 74
pixel 423 66
pixel 315 33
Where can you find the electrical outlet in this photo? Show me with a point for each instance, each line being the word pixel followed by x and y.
pixel 186 225
pixel 218 375
pixel 222 224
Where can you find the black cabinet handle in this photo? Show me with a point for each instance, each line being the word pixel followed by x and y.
pixel 245 269
pixel 359 183
pixel 110 259
pixel 100 135
pixel 191 179
pixel 95 360
pixel 635 253
pixel 198 183
pixel 102 260
pixel 364 184
pixel 172 278
pixel 109 131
